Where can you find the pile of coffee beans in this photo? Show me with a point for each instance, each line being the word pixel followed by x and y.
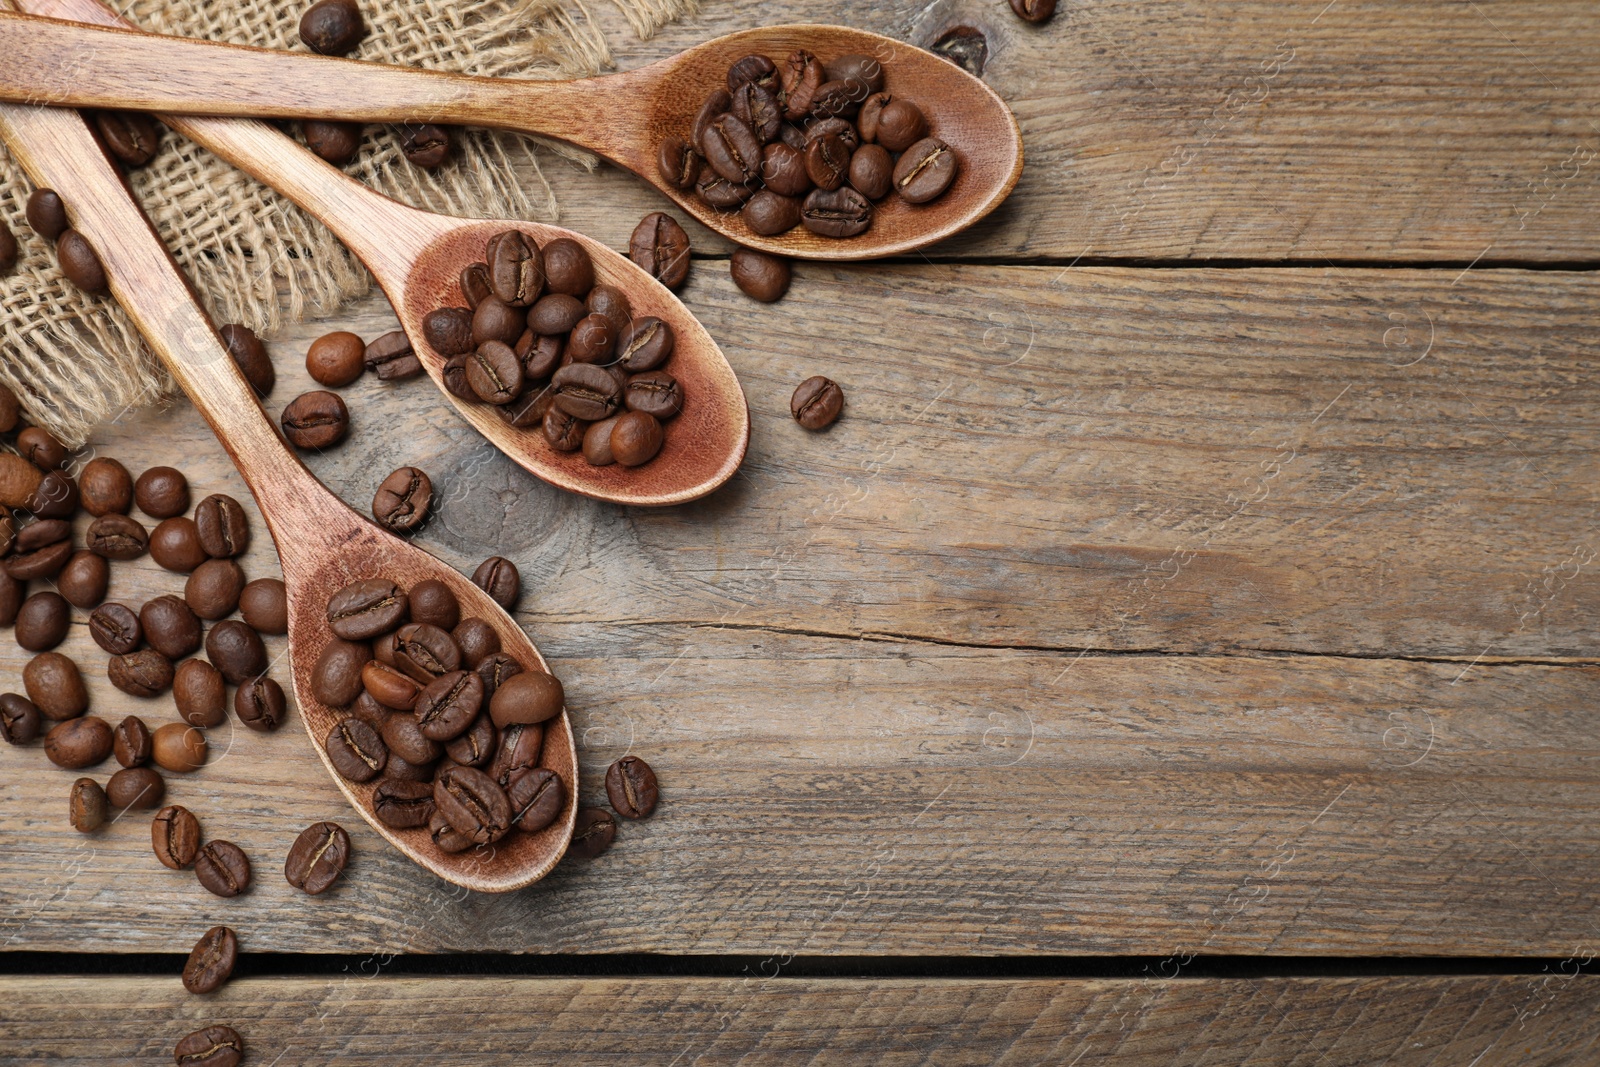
pixel 808 143
pixel 319 420
pixel 548 347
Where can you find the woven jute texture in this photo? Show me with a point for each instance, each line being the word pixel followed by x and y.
pixel 254 257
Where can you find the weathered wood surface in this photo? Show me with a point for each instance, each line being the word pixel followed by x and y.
pixel 1524 1021
pixel 1124 611
pixel 1255 129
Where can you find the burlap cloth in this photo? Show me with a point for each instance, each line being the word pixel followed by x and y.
pixel 254 257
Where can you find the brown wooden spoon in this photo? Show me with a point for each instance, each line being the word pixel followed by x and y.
pixel 417 258
pixel 623 117
pixel 322 544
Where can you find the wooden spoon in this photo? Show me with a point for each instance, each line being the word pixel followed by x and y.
pixel 323 544
pixel 417 257
pixel 624 117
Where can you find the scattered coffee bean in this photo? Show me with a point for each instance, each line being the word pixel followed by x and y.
pixel 593 834
pixel 18 480
pixel 265 606
pixel 131 742
pixel 260 705
pixel 46 214
pixel 175 545
pixel 136 788
pixel 236 650
pixel 12 593
pixel 336 359
pixel 222 868
pixel 659 245
pixel 432 602
pixel 316 420
pixel 336 142
pixel 78 261
pixel 179 747
pixel 55 686
pixel 130 136
pixel 213 590
pixel 42 550
pixel 145 673
pixel 56 496
pixel 175 836
pixel 20 720
pixel 87 806
pixel 80 742
pixel 115 629
pixel 426 146
pixel 390 358
pixel 332 27
pixel 42 621
pixel 1035 11
pixel 117 537
pixel 211 961
pixel 162 493
pixel 251 357
pixel 631 787
pixel 224 529
pixel 499 577
pixel 356 750
pixel 170 627
pixel 317 857
pixel 760 275
pixel 214 1046
pixel 816 403
pixel 200 693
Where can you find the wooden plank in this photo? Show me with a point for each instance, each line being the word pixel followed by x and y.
pixel 928 683
pixel 1254 129
pixel 1523 1021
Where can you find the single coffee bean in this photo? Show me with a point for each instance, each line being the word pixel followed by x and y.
pixel 801 76
pixel 597 442
pixel 332 27
pixel 516 268
pixel 520 747
pixel 317 857
pixel 871 111
pixel 371 712
pixel 131 742
pixel 260 705
pixel 759 275
pixel 130 136
pixel 816 403
pixel 784 170
pixel 613 303
pixel 432 602
pixel 363 610
pixel 78 261
pixel 925 171
pixel 475 747
pixel 336 678
pixel 162 493
pixel 356 750
pixel 200 693
pixel 586 392
pixel 838 99
pixel 390 686
pixel 55 686
pixel 759 109
pixel 77 743
pixel 316 420
pixel 236 650
pixel 1035 11
pixel 449 331
pixel 40 556
pixel 179 747
pixel 592 340
pixel 472 804
pixel 223 868
pixel 499 577
pixel 718 103
pixel 20 720
pixel 12 593
pixel 843 129
pixel 455 379
pixel 646 345
pixel 404 737
pixel 448 705
pixel 390 358
pixel 752 68
pixel 426 146
pixel 265 606
pixel 211 961
pixel 562 431
pixel 495 373
pixel 403 770
pixel 170 627
pixel 116 629
pixel 636 438
pixel 46 214
pixel 8 250
pixel 631 786
pixel 425 651
pixel 827 162
pixel 250 355
pixel 336 359
pixel 18 480
pixel 146 673
pixel 593 834
pixel 213 590
pixel 858 70
pixel 495 320
pixel 475 284
pixel 568 267
pixel 139 788
pixel 446 838
pixel 721 193
pixel 537 797
pixel 175 545
pixel 656 393
pixel 403 500
pixel 42 622
pixel 87 806
pixel 841 213
pixel 105 487
pixel 495 670
pixel 336 142
pixel 678 163
pixel 214 1046
pixel 901 125
pixel 56 496
pixel 175 836
pixel 476 637
pixel 117 537
pixel 223 526
pixel 769 214
pixel 661 248
pixel 871 171
pixel 402 804
pixel 555 313
pixel 40 447
pixel 530 697
pixel 732 149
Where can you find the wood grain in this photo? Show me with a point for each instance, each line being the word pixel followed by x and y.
pixel 936 682
pixel 1523 1021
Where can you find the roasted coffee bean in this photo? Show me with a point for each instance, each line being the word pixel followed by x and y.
pixel 661 248
pixel 390 358
pixel 200 693
pixel 214 1046
pixel 403 500
pixel 732 149
pixel 140 788
pixel 678 163
pixel 530 697
pixel 752 68
pixel 827 162
pixel 455 379
pixel 723 194
pixel 18 480
pixel 236 650
pixel 871 111
pixel 146 673
pixel 900 126
pixel 250 355
pixel 223 868
pixel 843 129
pixel 105 486
pixel 446 838
pixel 759 109
pixel 162 493
pixel 130 136
pixel 77 743
pixel 336 359
pixel 427 146
pixel 620 375
pixel 223 526
pixel 841 213
pixel 500 578
pixel 516 268
pixel 9 250
pixel 646 345
pixel 87 806
pixel 55 497
pixel 631 786
pixel 40 554
pixel 211 961
pixel 130 742
pixel 42 622
pixel 613 303
pixel 336 678
pixel 404 738
pixel 568 267
pixel 117 537
pixel 475 747
pixel 404 770
pixel 593 339
pixel 175 836
pixel 332 27
pixel 336 142
pixel 55 686
pixel 475 284
pixel 432 602
pixel 265 606
pixel 555 313
pixel 179 747
pixel 12 593
pixel 170 627
pixel 363 610
pixel 495 373
pixel 593 834
pixel 403 804
pixel 871 171
pixel 783 169
pixel 476 638
pixel 390 686
pixel 802 75
pixel 449 331
pixel 46 214
pixel 769 214
pixel 597 442
pixel 537 797
pixel 20 720
pixel 1034 10
pixel 77 259
pixel 816 403
pixel 563 432
pixel 863 72
pixel 316 420
pixel 317 857
pixel 636 438
pixel 42 534
pixel 925 171
pixel 448 705
pixel 495 320
pixel 175 545
pixel 759 275
pixel 520 747
pixel 40 447
pixel 213 590
pixel 356 750
pixel 838 99
pixel 425 651
pixel 655 393
pixel 260 705
pixel 718 103
pixel 473 804
pixel 586 392
pixel 115 628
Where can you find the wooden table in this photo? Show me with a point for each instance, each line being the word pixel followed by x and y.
pixel 1182 652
